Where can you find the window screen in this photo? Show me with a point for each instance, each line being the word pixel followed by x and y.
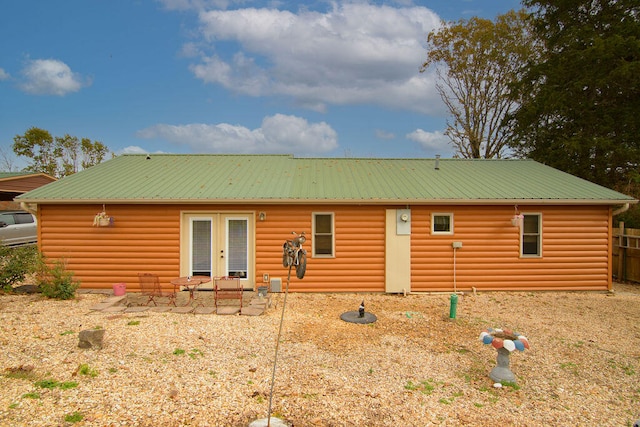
pixel 442 223
pixel 238 249
pixel 531 235
pixel 323 234
pixel 201 248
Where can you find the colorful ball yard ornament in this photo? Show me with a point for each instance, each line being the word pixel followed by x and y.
pixel 504 341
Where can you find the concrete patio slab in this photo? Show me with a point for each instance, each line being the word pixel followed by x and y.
pixel 118 304
pixel 251 311
pixel 136 309
pixel 114 309
pixel 228 310
pixel 100 307
pixel 187 309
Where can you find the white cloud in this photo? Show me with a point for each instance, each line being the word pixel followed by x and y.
pixel 431 141
pixel 277 134
pixel 134 149
pixel 4 75
pixel 382 134
pixel 354 53
pixel 50 77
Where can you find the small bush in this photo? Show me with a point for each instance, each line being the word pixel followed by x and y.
pixel 56 281
pixel 16 264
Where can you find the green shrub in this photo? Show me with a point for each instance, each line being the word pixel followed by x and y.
pixel 56 281
pixel 16 264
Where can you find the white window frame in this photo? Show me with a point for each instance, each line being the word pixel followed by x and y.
pixel 333 235
pixel 539 234
pixel 434 231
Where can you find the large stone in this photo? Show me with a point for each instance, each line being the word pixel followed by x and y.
pixel 91 338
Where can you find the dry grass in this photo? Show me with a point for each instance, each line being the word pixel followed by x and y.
pixel 413 367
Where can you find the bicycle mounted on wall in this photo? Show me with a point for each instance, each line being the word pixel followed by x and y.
pixel 294 255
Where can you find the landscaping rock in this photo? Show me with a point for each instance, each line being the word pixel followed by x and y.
pixel 91 338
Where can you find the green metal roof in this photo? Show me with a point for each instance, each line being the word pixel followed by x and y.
pixel 204 178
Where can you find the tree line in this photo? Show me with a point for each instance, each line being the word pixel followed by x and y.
pixel 557 82
pixel 57 156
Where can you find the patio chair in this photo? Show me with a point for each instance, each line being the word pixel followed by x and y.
pixel 228 288
pixel 150 287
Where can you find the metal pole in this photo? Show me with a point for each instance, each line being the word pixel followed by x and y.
pixel 275 357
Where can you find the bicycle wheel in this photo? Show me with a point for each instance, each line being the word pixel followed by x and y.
pixel 301 268
pixel 287 259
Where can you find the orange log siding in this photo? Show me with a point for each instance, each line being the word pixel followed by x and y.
pixel 576 252
pixel 146 238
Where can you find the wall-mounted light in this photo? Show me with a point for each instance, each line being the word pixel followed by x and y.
pixel 262 216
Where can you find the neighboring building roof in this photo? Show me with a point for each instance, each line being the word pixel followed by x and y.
pixel 21 182
pixel 202 178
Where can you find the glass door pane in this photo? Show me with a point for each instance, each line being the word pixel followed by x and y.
pixel 238 247
pixel 201 247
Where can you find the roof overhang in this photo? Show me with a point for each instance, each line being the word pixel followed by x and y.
pixel 477 202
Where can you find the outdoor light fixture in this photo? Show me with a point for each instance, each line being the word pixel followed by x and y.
pixel 262 216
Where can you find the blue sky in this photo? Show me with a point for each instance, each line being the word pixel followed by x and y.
pixel 321 79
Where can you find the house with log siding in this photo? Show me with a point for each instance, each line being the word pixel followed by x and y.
pixel 372 225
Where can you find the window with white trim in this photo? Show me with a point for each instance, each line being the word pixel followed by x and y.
pixel 323 241
pixel 531 236
pixel 441 223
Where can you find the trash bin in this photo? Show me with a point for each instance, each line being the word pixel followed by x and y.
pixel 119 289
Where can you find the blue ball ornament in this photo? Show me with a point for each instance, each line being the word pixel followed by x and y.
pixel 519 345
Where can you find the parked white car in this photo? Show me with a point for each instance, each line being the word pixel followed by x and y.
pixel 17 228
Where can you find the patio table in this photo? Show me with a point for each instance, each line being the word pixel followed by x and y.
pixel 190 283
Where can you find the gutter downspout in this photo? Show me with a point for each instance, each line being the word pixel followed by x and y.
pixel 29 208
pixel 620 210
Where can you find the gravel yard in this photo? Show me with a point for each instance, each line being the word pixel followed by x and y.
pixel 413 367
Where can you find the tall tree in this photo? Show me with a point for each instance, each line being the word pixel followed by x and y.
pixel 69 147
pixel 582 109
pixel 6 162
pixel 59 156
pixel 38 145
pixel 481 58
pixel 92 152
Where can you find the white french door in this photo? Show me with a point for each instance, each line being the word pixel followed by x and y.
pixel 217 244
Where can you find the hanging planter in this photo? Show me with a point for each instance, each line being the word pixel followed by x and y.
pixel 517 220
pixel 102 220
